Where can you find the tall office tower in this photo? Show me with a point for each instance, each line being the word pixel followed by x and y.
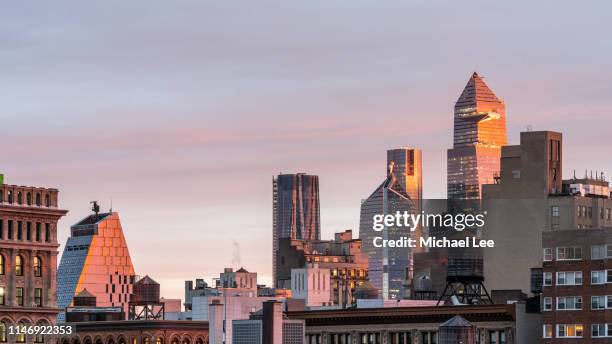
pixel 390 268
pixel 28 257
pixel 479 133
pixel 96 258
pixel 296 212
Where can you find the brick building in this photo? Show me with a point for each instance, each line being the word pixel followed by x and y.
pixel 577 285
pixel 28 257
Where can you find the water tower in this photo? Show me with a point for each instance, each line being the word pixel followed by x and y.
pixel 457 330
pixel 144 302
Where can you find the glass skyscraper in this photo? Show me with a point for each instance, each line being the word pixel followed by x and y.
pixel 479 133
pixel 296 212
pixel 391 268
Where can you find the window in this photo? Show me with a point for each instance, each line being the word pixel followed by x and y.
pixel 609 279
pixel 3 330
pixel 38 232
pixel 569 303
pixel 2 296
pixel 598 277
pixel 38 200
pixel 497 337
pixel 19 230
pixel 547 303
pixel 548 254
pixel 1 264
pixel 18 266
pixel 547 279
pixel 29 198
pixel 598 302
pixel 609 301
pixel 20 338
pixel 37 267
pixel 47 232
pixel 38 297
pixel 569 253
pixel 569 278
pixel 569 331
pixel 19 296
pixel 599 252
pixel 554 211
pixel 598 330
pixel 547 331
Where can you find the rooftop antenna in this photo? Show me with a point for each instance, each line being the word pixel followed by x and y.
pixel 95 207
pixel 529 128
pixel 111 206
pixel 574 174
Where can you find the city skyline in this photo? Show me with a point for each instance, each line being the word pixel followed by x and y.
pixel 180 141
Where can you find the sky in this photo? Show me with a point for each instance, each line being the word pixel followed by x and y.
pixel 179 113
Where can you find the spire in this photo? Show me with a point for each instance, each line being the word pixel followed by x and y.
pixel 476 92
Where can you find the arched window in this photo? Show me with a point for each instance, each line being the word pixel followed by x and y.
pixel 39 338
pixel 19 198
pixel 47 201
pixel 18 265
pixel 186 341
pixel 29 198
pixel 1 264
pixel 146 340
pixel 37 267
pixel 9 197
pixel 159 340
pixel 3 329
pixel 38 200
pixel 199 341
pixel 175 341
pixel 20 338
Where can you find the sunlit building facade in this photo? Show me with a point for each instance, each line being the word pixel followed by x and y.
pixel 96 258
pixel 296 211
pixel 390 269
pixel 28 258
pixel 479 133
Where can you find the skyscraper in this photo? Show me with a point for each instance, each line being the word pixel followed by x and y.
pixel 390 268
pixel 296 212
pixel 28 257
pixel 479 133
pixel 96 258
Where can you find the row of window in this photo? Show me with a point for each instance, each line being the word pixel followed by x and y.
pixel 565 278
pixel 598 252
pixel 16 231
pixel 577 331
pixel 19 338
pixel 19 296
pixel 37 266
pixel 564 303
pixel 29 199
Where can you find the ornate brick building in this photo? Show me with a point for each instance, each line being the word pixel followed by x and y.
pixel 28 256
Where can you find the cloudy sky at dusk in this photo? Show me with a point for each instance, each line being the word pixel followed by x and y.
pixel 181 112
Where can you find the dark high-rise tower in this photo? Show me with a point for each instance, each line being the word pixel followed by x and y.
pixel 296 212
pixel 479 133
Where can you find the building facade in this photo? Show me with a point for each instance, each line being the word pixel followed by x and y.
pixel 268 326
pixel 530 199
pixel 28 257
pixel 343 257
pixel 296 211
pixel 493 324
pixel 577 286
pixel 479 133
pixel 96 258
pixel 391 269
